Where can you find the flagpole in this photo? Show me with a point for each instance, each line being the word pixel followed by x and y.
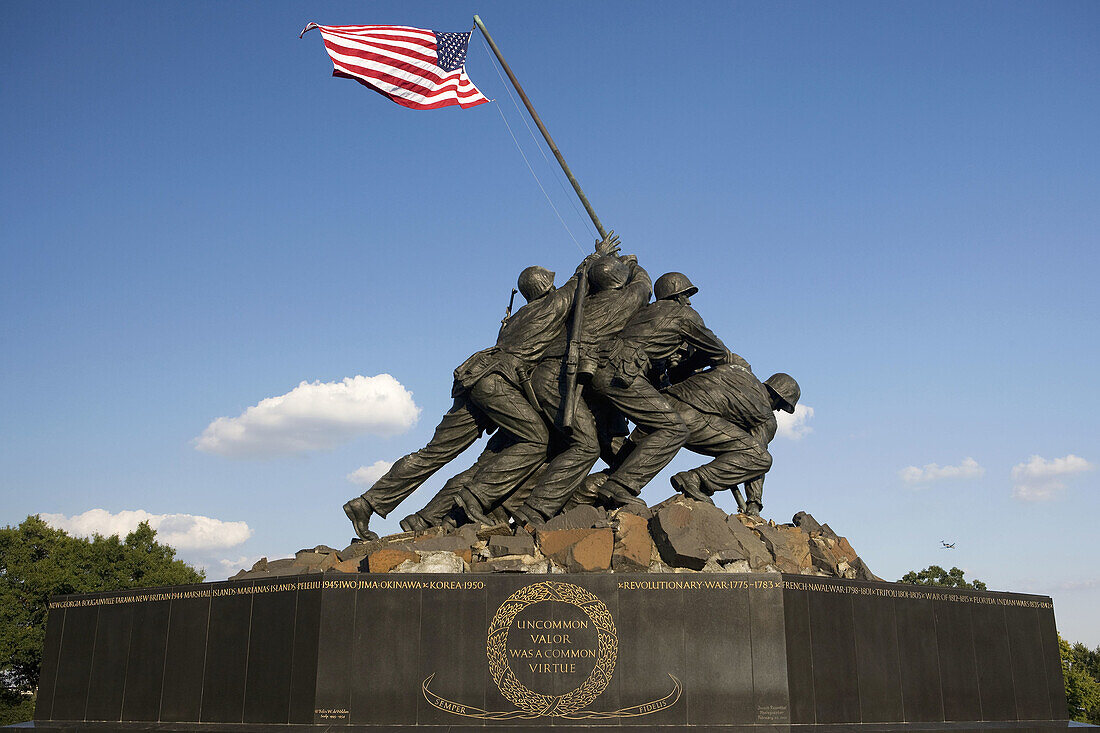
pixel 542 129
pixel 572 356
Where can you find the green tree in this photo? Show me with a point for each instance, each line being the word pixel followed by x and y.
pixel 38 561
pixel 935 575
pixel 1081 671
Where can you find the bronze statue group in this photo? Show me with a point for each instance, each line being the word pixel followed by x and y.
pixel 556 393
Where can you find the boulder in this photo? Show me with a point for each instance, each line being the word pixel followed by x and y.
pixel 434 562
pixel 524 564
pixel 687 533
pixel 285 564
pixel 753 550
pixel 845 550
pixel 633 549
pixel 578 550
pixel 789 545
pixel 521 544
pixel 386 559
pixel 823 557
pixel 360 548
pixel 320 550
pixel 265 568
pixel 737 566
pixel 862 571
pixel 485 531
pixel 580 517
pixel 806 522
pixel 460 546
pixel 308 558
pixel 351 565
pixel 749 520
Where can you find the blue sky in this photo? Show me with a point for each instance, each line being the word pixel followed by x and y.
pixel 898 204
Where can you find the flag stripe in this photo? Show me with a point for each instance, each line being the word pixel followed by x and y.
pixel 367 64
pixel 384 56
pixel 412 91
pixel 392 29
pixel 403 63
pixel 407 102
pixel 426 47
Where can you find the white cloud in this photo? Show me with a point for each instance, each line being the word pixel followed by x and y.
pixel 244 562
pixel 969 468
pixel 1039 479
pixel 181 531
pixel 313 416
pixel 794 426
pixel 367 475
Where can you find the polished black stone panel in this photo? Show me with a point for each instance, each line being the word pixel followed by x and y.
pixel 718 638
pixel 651 610
pixel 958 662
pixel 878 666
pixel 1028 667
pixel 378 697
pixel 303 674
pixel 1048 634
pixel 226 656
pixel 709 651
pixel 452 648
pixel 112 648
pixel 832 643
pixel 185 659
pixel 335 666
pixel 921 689
pixel 769 655
pixel 997 693
pixel 270 654
pixel 612 698
pixel 800 670
pixel 51 651
pixel 145 662
pixel 73 672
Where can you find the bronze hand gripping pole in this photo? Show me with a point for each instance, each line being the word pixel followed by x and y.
pixel 572 358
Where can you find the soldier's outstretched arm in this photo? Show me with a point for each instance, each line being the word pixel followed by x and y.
pixel 639 285
pixel 705 342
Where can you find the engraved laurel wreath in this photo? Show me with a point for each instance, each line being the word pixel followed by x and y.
pixel 532 704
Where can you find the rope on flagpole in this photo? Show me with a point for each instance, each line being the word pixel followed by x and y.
pixel 536 177
pixel 541 148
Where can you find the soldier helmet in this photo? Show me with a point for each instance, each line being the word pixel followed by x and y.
pixel 608 273
pixel 786 388
pixel 672 284
pixel 535 282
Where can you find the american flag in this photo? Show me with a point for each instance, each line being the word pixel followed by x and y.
pixel 416 68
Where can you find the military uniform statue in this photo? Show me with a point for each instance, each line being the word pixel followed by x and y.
pixel 652 335
pixel 730 415
pixel 619 288
pixel 487 395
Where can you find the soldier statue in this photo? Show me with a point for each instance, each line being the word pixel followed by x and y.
pixel 619 287
pixel 488 395
pixel 622 376
pixel 730 416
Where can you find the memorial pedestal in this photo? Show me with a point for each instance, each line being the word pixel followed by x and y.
pixel 634 652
